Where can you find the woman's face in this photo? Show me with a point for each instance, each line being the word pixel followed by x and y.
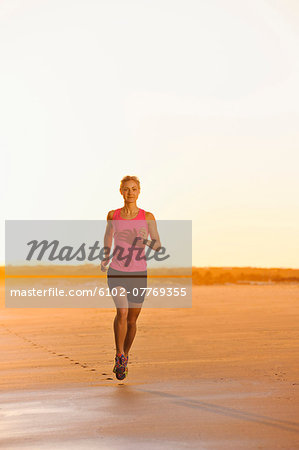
pixel 130 191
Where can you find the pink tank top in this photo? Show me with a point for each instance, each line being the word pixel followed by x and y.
pixel 124 232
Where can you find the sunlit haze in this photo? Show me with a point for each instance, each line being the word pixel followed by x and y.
pixel 199 99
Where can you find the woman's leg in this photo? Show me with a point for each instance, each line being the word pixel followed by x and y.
pixel 133 313
pixel 120 321
pixel 120 329
pixel 140 283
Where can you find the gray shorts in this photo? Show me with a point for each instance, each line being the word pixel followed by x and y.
pixel 135 283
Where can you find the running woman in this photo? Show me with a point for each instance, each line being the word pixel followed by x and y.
pixel 129 226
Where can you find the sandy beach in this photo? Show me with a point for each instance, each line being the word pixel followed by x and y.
pixel 220 375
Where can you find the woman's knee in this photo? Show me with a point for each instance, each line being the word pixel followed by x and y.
pixel 131 321
pixel 122 314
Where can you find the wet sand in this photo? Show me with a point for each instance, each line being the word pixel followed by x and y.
pixel 220 375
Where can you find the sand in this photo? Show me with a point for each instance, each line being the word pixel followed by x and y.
pixel 220 375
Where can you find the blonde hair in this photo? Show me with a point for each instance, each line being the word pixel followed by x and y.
pixel 129 178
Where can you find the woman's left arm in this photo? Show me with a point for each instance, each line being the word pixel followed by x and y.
pixel 155 242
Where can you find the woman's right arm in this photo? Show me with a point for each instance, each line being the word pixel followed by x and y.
pixel 107 241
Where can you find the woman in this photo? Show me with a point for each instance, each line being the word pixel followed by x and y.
pixel 127 274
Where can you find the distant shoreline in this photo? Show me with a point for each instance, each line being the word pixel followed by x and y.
pixel 200 275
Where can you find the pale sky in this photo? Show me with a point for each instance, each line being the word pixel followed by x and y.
pixel 199 99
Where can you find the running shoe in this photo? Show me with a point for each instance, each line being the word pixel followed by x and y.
pixel 116 365
pixel 126 365
pixel 120 368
